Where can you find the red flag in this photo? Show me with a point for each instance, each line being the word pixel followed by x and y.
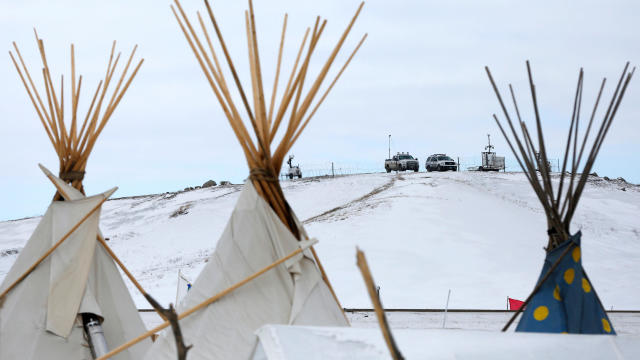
pixel 515 304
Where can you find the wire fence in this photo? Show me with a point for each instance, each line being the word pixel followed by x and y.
pixel 329 168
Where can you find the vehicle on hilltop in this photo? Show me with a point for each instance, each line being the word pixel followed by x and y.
pixel 401 162
pixel 490 161
pixel 440 162
pixel 294 170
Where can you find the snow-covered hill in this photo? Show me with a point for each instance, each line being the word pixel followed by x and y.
pixel 480 235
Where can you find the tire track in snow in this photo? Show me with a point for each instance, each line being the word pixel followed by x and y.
pixel 363 198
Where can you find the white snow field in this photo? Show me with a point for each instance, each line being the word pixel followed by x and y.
pixel 625 323
pixel 479 234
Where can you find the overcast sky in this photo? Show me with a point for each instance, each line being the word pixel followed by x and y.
pixel 419 77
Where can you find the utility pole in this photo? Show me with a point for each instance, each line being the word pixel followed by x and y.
pixel 489 147
pixel 389 147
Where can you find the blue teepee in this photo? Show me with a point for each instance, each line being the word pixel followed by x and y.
pixel 566 302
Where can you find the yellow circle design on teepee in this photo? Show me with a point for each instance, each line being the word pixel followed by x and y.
pixel 605 325
pixel 575 254
pixel 541 313
pixel 585 285
pixel 556 293
pixel 569 275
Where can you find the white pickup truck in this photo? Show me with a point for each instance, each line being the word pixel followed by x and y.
pixel 401 162
pixel 440 162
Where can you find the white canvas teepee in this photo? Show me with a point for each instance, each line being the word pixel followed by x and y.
pixel 40 317
pixel 292 293
pixel 264 269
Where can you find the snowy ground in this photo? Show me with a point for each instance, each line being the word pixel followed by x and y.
pixel 342 343
pixel 480 235
pixel 625 323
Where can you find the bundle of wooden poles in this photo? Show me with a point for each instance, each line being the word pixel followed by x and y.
pixel 293 111
pixel 74 140
pixel 559 203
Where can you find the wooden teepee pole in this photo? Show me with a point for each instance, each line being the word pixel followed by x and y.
pixel 377 306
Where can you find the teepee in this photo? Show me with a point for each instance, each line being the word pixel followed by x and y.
pixel 263 269
pixel 564 299
pixel 64 297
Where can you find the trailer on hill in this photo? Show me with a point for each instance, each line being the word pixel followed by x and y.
pixel 490 161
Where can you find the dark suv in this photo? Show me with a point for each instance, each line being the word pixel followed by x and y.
pixel 440 162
